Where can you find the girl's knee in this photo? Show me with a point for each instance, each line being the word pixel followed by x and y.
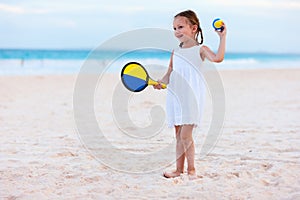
pixel 186 137
pixel 186 140
pixel 184 134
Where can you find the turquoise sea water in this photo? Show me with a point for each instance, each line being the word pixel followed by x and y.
pixel 25 61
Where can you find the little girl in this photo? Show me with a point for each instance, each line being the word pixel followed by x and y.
pixel 186 88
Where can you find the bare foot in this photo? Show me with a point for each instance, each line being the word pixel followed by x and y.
pixel 192 175
pixel 172 174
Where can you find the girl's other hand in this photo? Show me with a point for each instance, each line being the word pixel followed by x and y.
pixel 223 33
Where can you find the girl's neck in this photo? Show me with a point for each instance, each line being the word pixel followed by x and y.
pixel 189 43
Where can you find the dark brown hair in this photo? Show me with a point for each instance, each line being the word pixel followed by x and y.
pixel 193 19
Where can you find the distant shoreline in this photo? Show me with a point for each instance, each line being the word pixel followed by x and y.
pixel 7 53
pixel 43 62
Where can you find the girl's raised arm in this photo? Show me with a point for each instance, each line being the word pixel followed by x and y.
pixel 206 52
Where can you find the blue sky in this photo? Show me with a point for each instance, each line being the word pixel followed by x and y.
pixel 254 26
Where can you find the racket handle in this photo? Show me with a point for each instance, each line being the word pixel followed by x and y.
pixel 152 82
pixel 163 86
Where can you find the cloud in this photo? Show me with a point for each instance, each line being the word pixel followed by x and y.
pixel 123 9
pixel 67 7
pixel 262 4
pixel 13 9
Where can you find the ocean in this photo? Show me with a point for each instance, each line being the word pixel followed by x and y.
pixel 42 62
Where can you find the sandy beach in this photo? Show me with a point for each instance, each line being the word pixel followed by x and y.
pixel 257 156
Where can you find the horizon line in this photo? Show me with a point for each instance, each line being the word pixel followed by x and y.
pixel 93 49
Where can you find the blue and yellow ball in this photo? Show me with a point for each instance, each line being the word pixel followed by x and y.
pixel 218 24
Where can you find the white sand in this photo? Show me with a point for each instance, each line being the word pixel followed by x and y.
pixel 257 155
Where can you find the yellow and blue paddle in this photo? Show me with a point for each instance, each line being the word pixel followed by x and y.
pixel 135 77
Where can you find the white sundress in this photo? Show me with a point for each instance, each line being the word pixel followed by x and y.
pixel 186 88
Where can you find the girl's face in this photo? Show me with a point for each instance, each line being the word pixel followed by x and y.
pixel 183 30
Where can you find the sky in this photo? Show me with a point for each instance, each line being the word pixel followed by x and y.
pixel 253 26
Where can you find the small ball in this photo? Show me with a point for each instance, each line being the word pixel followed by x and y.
pixel 218 24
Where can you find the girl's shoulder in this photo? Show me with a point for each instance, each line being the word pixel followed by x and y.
pixel 204 48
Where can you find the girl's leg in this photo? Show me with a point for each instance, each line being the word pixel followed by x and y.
pixel 186 134
pixel 180 153
pixel 180 156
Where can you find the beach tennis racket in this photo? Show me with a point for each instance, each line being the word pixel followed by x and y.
pixel 135 77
